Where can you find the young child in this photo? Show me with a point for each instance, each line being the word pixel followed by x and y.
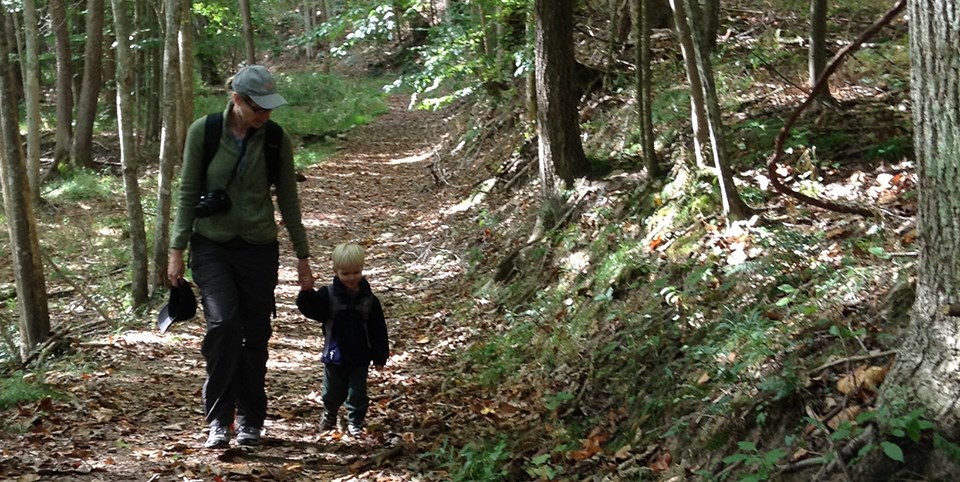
pixel 355 333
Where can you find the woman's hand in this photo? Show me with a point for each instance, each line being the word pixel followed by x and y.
pixel 305 275
pixel 175 267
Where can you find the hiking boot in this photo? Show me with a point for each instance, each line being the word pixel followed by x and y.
pixel 219 437
pixel 354 430
pixel 327 423
pixel 248 436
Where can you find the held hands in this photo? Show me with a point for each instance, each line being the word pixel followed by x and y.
pixel 305 275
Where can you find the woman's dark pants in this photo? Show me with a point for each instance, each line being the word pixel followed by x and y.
pixel 237 282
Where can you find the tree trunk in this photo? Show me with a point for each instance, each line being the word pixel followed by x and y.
pixel 61 29
pixel 308 30
pixel 530 79
pixel 109 72
pixel 640 10
pixel 90 88
pixel 149 72
pixel 710 13
pixel 170 148
pixel 326 44
pixel 14 40
pixel 698 112
pixel 558 118
pixel 817 54
pixel 32 97
pixel 187 106
pixel 733 205
pixel 21 223
pixel 248 32
pixel 925 371
pixel 128 157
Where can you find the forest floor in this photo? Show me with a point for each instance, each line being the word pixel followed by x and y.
pixel 133 410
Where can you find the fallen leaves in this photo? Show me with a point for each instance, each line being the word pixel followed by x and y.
pixel 592 445
pixel 863 381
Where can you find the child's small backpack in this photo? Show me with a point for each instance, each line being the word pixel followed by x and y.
pixel 331 350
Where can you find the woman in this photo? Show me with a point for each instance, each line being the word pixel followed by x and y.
pixel 225 212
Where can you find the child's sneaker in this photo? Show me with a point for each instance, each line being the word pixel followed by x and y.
pixel 327 423
pixel 354 430
pixel 249 436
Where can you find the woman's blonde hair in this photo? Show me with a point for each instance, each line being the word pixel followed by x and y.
pixel 347 255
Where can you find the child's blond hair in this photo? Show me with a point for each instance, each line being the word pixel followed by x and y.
pixel 347 255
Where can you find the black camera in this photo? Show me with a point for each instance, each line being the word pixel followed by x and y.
pixel 212 203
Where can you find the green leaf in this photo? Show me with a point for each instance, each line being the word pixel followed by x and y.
pixel 773 456
pixel 749 446
pixel 865 417
pixel 892 450
pixel 732 459
pixel 540 459
pixel 914 431
pixel 787 289
pixel 879 252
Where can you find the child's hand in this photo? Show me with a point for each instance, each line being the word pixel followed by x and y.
pixel 377 367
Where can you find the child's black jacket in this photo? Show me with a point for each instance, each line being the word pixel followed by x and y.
pixel 349 333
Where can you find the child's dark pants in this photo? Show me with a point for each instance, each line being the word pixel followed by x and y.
pixel 345 383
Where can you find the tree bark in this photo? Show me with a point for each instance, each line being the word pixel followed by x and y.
pixel 698 113
pixel 710 13
pixel 733 205
pixel 558 117
pixel 640 10
pixel 249 50
pixel 128 157
pixel 924 375
pixel 926 368
pixel 326 44
pixel 817 55
pixel 31 79
pixel 22 225
pixel 170 148
pixel 308 30
pixel 64 133
pixel 89 98
pixel 530 79
pixel 187 105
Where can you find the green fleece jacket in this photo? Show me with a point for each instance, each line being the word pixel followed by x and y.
pixel 251 216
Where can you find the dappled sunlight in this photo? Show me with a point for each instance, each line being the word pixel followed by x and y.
pixel 475 199
pixel 420 157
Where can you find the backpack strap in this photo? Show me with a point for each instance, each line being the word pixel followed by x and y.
pixel 336 305
pixel 213 129
pixel 271 150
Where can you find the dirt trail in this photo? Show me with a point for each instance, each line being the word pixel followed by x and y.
pixel 136 413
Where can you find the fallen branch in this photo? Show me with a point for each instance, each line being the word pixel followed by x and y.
pixel 389 453
pixel 820 85
pixel 854 359
pixel 40 352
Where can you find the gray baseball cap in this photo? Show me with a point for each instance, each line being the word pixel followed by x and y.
pixel 255 82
